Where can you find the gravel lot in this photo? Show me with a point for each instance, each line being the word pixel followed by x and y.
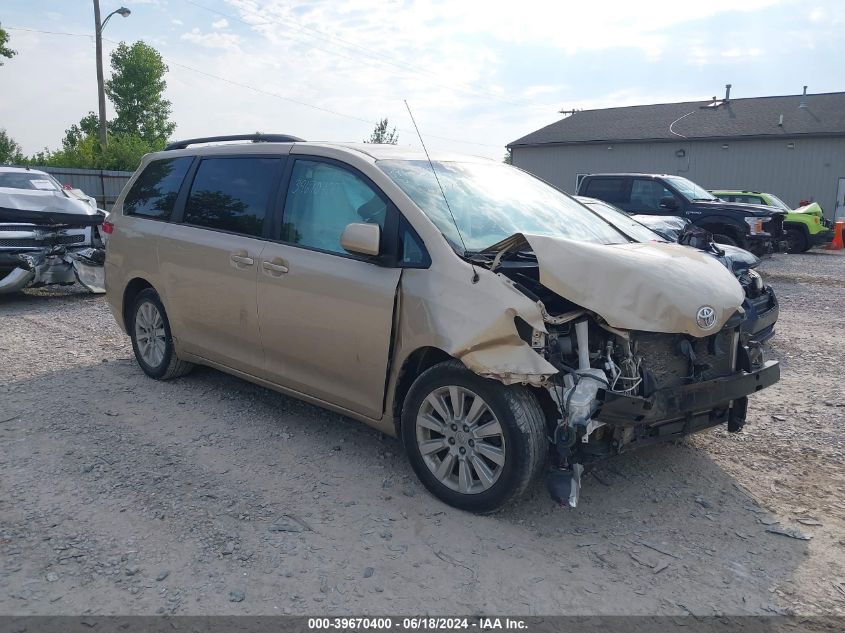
pixel 208 495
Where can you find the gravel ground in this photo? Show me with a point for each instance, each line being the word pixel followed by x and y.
pixel 208 495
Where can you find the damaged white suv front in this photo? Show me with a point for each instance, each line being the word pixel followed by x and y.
pixel 48 235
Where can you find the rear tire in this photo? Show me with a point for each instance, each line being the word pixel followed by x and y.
pixel 152 341
pixel 473 442
pixel 795 241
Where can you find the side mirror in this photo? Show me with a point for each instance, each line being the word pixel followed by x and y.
pixel 668 202
pixel 362 239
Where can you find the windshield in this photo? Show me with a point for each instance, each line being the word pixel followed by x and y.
pixel 28 180
pixel 689 190
pixel 491 202
pixel 622 221
pixel 777 202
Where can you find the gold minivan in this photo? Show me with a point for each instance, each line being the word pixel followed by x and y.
pixel 499 327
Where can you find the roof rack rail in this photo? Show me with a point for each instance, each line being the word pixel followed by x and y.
pixel 255 138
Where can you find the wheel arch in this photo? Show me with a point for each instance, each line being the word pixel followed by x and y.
pixel 131 291
pixel 414 364
pixel 725 228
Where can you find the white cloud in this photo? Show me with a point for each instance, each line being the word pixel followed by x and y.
pixel 223 41
pixel 453 61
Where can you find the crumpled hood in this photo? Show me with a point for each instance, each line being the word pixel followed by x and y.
pixel 810 209
pixel 46 207
pixel 653 287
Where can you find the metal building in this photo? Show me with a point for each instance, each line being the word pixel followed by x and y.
pixel 792 146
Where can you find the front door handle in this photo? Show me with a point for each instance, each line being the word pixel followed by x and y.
pixel 276 266
pixel 242 258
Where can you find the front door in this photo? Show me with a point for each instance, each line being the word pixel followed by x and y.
pixel 326 315
pixel 210 259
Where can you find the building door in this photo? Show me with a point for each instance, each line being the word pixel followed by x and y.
pixel 839 212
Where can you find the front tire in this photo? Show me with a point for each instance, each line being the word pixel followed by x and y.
pixel 473 442
pixel 152 341
pixel 795 241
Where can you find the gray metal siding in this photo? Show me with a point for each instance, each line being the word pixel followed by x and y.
pixel 102 184
pixel 811 170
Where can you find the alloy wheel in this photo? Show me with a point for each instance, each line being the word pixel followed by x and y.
pixel 460 439
pixel 150 335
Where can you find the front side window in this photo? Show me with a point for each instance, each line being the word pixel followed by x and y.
pixel 689 190
pixel 322 200
pixel 490 202
pixel 233 194
pixel 646 195
pixel 154 192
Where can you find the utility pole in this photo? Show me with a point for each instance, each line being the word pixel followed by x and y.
pixel 101 92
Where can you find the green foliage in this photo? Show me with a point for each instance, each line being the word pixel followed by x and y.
pixel 88 125
pixel 381 134
pixel 508 159
pixel 124 152
pixel 5 51
pixel 135 89
pixel 10 151
pixel 142 123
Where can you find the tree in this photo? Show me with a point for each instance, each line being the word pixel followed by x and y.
pixel 88 125
pixel 10 151
pixel 135 89
pixel 508 159
pixel 382 135
pixel 5 51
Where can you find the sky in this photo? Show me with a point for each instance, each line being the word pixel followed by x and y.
pixel 477 74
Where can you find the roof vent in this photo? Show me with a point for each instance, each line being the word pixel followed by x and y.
pixel 727 92
pixel 803 103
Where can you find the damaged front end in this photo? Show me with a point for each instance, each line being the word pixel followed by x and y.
pixel 32 256
pixel 647 340
pixel 46 240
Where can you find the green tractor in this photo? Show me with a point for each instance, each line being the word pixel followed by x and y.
pixel 804 227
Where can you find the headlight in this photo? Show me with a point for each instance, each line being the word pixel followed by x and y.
pixel 756 279
pixel 755 224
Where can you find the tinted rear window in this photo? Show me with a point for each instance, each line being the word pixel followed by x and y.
pixel 613 190
pixel 233 194
pixel 154 193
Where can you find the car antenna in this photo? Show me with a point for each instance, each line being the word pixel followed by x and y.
pixel 475 276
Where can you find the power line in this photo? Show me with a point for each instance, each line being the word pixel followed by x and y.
pixel 255 89
pixel 377 57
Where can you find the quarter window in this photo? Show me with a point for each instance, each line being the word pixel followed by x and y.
pixel 154 192
pixel 611 190
pixel 322 200
pixel 232 194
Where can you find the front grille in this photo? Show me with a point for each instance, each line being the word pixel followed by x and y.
pixel 53 241
pixel 774 226
pixel 21 228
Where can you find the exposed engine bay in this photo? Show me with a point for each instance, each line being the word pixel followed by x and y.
pixel 617 389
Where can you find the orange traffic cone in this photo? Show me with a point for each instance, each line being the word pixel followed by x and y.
pixel 837 243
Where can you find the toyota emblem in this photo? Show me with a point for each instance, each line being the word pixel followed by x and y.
pixel 706 317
